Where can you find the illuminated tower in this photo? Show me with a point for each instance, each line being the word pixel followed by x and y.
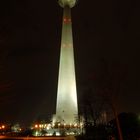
pixel 66 110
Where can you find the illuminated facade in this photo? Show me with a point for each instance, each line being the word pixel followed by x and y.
pixel 66 109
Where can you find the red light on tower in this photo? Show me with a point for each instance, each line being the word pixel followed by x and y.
pixel 65 20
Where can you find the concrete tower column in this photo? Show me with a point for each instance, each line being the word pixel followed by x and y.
pixel 67 109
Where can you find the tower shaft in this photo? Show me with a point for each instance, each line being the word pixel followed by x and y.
pixel 67 110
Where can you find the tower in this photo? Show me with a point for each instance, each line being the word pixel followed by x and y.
pixel 66 108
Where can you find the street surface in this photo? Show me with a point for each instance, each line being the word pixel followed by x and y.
pixel 38 138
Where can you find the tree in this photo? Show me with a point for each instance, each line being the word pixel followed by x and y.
pixel 104 87
pixel 130 125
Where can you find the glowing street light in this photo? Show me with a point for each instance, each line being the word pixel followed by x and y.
pixel 3 126
pixel 36 126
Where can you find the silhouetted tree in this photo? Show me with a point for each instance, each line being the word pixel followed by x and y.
pixel 104 87
pixel 130 126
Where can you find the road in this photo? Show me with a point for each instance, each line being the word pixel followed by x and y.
pixel 38 138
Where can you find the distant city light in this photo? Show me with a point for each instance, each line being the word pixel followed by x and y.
pixel 57 134
pixel 3 126
pixel 36 126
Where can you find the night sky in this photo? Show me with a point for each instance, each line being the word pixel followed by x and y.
pixel 106 40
